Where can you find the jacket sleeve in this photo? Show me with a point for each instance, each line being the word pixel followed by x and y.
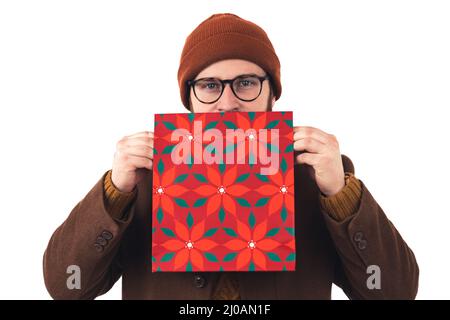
pixel 370 248
pixel 90 239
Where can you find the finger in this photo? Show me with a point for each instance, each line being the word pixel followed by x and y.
pixel 304 132
pixel 139 140
pixel 142 134
pixel 310 145
pixel 308 158
pixel 139 151
pixel 139 162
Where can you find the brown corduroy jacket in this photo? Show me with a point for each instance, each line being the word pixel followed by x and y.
pixel 328 251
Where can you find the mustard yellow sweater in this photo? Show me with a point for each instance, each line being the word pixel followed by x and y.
pixel 339 206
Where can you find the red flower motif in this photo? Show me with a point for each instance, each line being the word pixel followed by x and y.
pixel 221 190
pixel 251 129
pixel 164 190
pixel 196 138
pixel 252 245
pixel 189 245
pixel 281 191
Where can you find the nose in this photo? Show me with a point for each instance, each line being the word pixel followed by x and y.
pixel 228 101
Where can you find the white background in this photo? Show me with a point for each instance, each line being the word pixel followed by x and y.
pixel 76 76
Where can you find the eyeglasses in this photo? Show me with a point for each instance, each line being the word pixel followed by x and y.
pixel 245 87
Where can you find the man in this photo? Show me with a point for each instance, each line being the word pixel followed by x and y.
pixel 342 234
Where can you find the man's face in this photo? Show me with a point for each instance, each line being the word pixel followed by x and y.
pixel 230 69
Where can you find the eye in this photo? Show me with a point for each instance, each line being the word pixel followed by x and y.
pixel 211 85
pixel 247 82
pixel 208 85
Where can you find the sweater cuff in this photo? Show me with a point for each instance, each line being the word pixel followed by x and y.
pixel 115 200
pixel 346 202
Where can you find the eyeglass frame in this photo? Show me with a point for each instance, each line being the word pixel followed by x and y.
pixel 191 83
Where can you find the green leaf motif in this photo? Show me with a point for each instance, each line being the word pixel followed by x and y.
pixel 159 215
pixel 160 166
pixel 251 220
pixel 251 267
pixel 272 124
pixel 229 148
pixel 283 165
pixel 190 161
pixel 181 178
pixel 210 148
pixel 210 232
pixel 261 177
pixel 242 177
pixel 251 116
pixel 200 177
pixel 189 267
pixel 272 232
pixel 290 257
pixel 243 202
pixel 221 215
pixel 181 202
pixel 191 117
pixel 211 125
pixel 211 257
pixel 153 259
pixel 283 214
pixel 189 220
pixel 230 257
pixel 273 256
pixel 273 148
pixel 291 231
pixel 168 232
pixel 251 158
pixel 229 124
pixel 167 257
pixel 289 148
pixel 169 125
pixel 261 202
pixel 230 232
pixel 199 202
pixel 168 149
pixel 222 167
pixel 289 123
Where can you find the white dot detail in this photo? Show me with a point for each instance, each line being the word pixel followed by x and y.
pixel 221 190
pixel 189 245
pixel 160 190
pixel 283 189
pixel 252 244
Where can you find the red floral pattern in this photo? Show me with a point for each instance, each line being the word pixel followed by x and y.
pixel 189 245
pixel 252 245
pixel 164 190
pixel 222 190
pixel 223 217
pixel 281 191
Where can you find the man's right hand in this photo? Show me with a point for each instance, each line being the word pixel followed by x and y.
pixel 133 156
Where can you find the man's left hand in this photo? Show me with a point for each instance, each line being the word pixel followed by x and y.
pixel 321 151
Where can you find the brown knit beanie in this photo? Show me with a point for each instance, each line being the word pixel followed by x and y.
pixel 226 36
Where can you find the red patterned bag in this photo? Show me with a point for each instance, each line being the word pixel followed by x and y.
pixel 223 192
